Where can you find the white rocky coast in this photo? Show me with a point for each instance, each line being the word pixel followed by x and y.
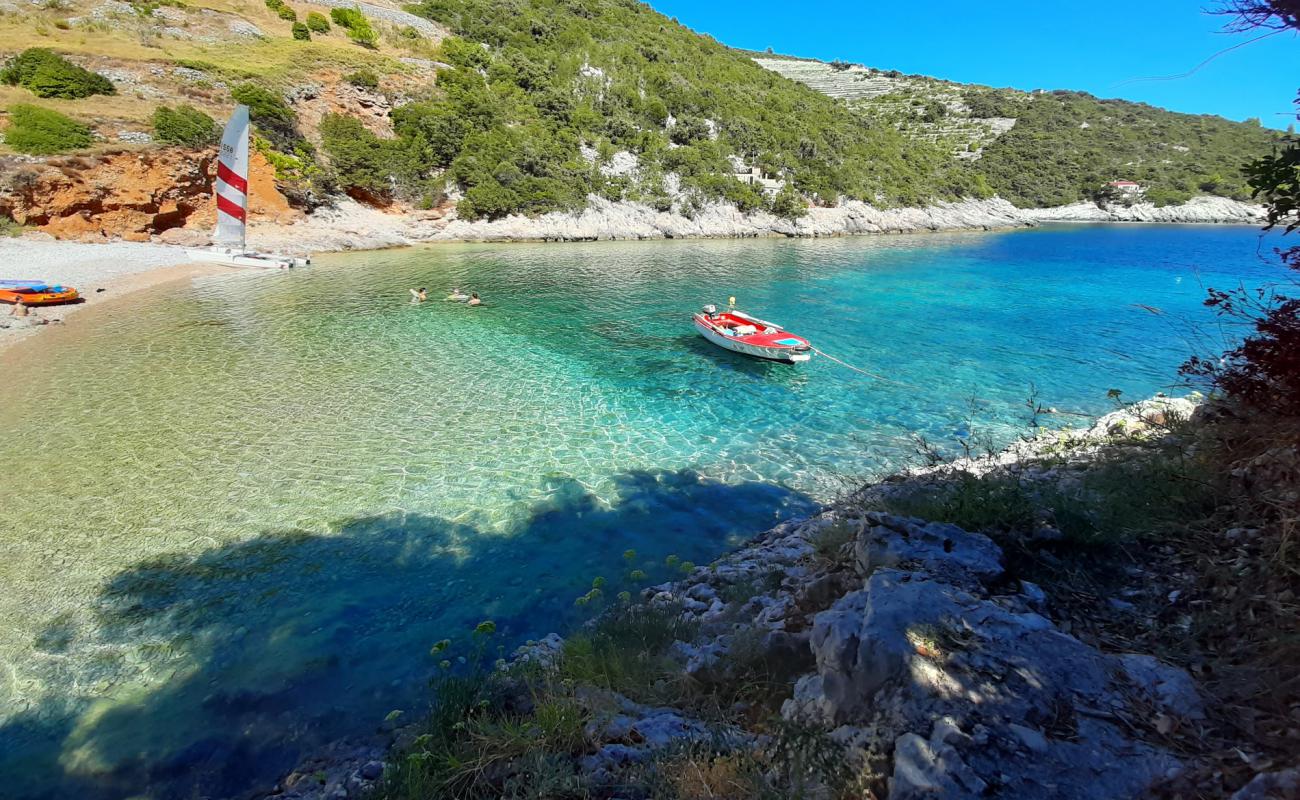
pixel 1196 210
pixel 348 225
pixel 604 219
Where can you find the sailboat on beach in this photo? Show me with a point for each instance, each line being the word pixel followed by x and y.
pixel 229 245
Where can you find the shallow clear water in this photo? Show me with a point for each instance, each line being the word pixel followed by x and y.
pixel 241 509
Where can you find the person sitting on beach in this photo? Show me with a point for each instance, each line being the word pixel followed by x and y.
pixel 419 295
pixel 20 308
pixel 474 301
pixel 457 296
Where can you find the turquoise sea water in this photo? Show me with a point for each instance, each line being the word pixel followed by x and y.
pixel 241 509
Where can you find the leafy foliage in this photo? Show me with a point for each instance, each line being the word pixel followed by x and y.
pixel 1067 145
pixel 41 131
pixel 301 32
pixel 184 125
pixel 364 79
pixel 270 113
pixel 533 82
pixel 362 160
pixel 346 17
pixel 47 74
pixel 355 23
pixel 1276 179
pixel 317 22
pixel 1264 370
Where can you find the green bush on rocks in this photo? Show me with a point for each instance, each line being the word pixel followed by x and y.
pixel 184 125
pixel 317 22
pixel 47 74
pixel 40 131
pixel 364 79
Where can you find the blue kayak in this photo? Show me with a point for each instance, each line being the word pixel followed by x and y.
pixel 31 286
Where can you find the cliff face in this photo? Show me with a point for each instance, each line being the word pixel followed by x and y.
pixel 132 195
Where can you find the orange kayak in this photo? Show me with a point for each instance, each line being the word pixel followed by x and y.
pixel 51 296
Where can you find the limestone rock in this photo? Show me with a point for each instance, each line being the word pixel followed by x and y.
pixel 605 219
pixel 929 769
pixel 909 649
pixel 938 548
pixel 1198 209
pixel 1282 785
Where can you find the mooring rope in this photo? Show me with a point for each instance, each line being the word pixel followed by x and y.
pixel 863 371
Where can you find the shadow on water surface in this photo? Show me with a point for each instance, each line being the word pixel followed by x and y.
pixel 263 649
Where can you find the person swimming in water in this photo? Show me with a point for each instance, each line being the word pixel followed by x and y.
pixel 419 295
pixel 457 296
pixel 474 300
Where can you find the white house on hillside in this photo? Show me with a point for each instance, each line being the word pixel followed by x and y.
pixel 754 177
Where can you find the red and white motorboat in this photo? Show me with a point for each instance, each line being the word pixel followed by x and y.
pixel 738 331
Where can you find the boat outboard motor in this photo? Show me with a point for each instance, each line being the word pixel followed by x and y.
pixel 711 311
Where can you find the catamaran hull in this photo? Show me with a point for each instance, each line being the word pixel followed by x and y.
pixel 784 355
pixel 247 259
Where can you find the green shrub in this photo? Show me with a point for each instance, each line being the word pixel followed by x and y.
pixel 275 5
pixel 1167 196
pixel 40 131
pixel 268 111
pixel 347 17
pixel 788 204
pixel 626 651
pixel 363 34
pixel 184 125
pixel 301 32
pixel 10 227
pixel 437 129
pixel 317 22
pixel 379 167
pixel 287 14
pixel 364 79
pixel 47 74
pixel 194 63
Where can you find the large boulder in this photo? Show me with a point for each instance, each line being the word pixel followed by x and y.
pixel 977 695
pixel 937 548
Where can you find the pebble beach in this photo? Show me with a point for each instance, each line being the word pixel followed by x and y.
pixel 98 271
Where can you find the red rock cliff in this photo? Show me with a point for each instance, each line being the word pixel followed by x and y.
pixel 128 194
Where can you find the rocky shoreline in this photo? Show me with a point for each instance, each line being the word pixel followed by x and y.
pixel 348 225
pixel 1198 210
pixel 906 642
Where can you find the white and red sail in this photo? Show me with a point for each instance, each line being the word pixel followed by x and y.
pixel 232 181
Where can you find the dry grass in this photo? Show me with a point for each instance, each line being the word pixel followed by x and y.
pixel 278 61
pixel 278 58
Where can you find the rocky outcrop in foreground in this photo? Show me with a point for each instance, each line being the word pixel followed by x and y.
pixel 975 690
pixel 902 641
pixel 1196 210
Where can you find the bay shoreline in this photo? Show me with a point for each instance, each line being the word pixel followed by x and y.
pixel 102 271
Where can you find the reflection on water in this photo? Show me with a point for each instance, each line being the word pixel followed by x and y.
pixel 256 500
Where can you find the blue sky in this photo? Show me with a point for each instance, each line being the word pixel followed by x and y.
pixel 1090 45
